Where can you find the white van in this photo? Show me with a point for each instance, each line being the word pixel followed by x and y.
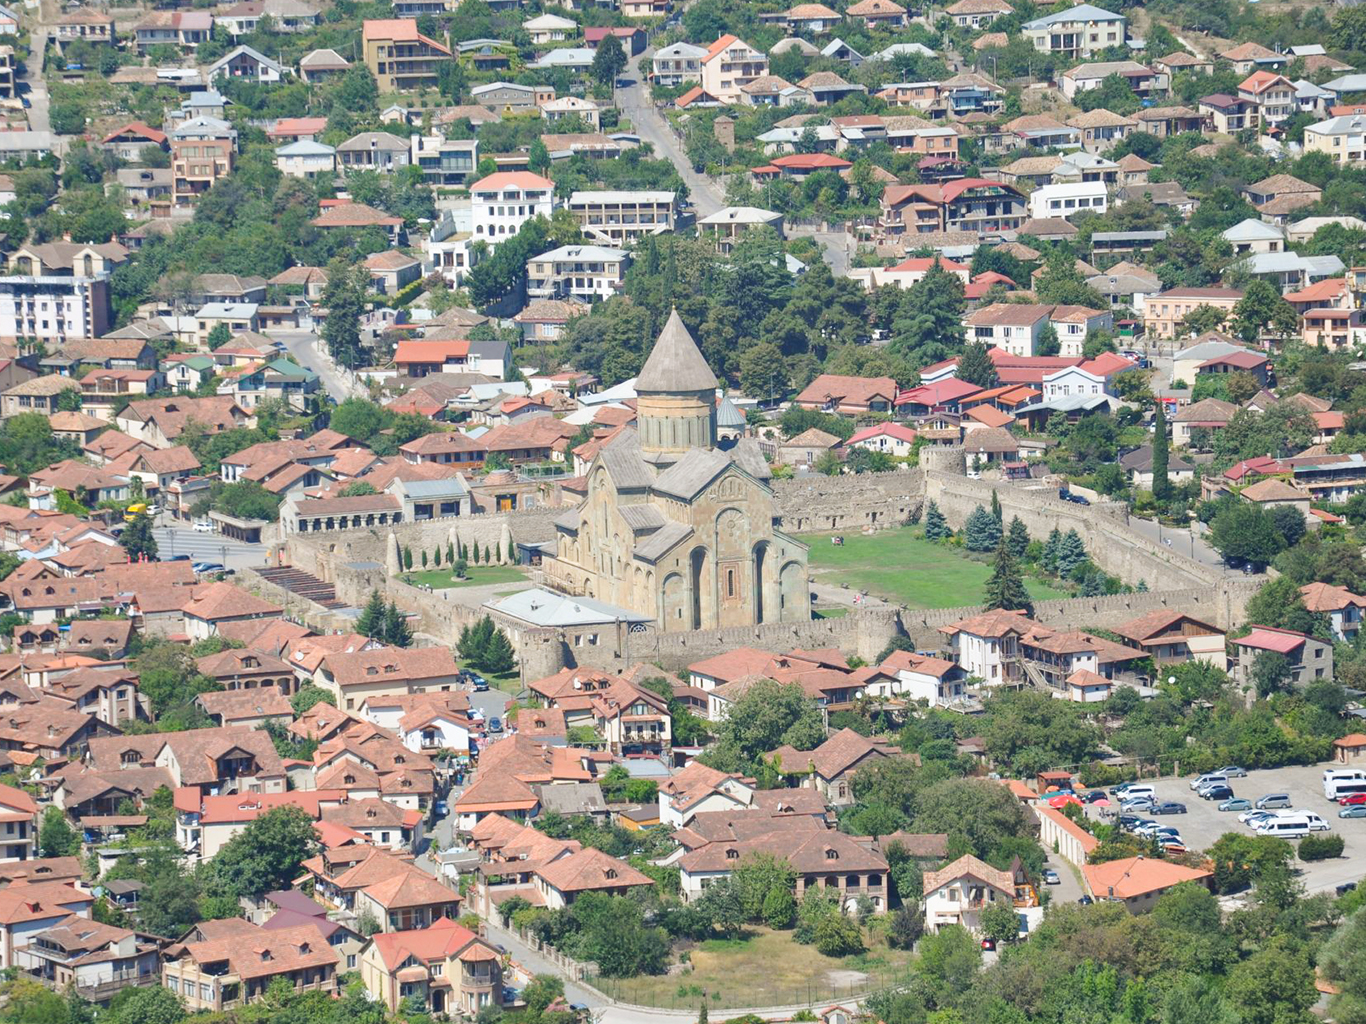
pixel 1139 793
pixel 1333 778
pixel 1292 826
pixel 1210 779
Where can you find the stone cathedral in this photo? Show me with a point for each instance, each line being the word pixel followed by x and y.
pixel 673 527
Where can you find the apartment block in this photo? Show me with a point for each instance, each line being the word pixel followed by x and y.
pixel 399 56
pixel 588 273
pixel 619 218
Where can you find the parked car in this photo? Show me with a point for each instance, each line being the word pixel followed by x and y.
pixel 1085 901
pixel 1345 888
pixel 154 510
pixel 203 526
pixel 1232 771
pixel 442 809
pixel 1209 777
pixel 203 567
pixel 1236 804
pixel 1169 807
pixel 1092 796
pixel 495 725
pixel 989 944
pixel 1355 811
pixel 1352 799
pixel 1050 877
pixel 1219 792
pixel 178 558
pixel 1271 801
pixel 1172 847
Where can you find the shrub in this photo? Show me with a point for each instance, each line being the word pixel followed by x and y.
pixel 1321 847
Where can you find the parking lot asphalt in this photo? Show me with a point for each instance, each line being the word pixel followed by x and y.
pixel 1203 823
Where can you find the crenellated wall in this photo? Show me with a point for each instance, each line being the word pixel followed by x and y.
pixel 878 501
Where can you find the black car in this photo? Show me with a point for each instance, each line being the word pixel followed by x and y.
pixel 1218 793
pixel 1170 807
pixel 1345 888
pixel 1085 901
pixel 1091 796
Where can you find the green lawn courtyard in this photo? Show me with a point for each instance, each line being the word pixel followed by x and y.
pixel 476 576
pixel 766 968
pixel 902 567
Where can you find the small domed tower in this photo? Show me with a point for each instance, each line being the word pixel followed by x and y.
pixel 675 397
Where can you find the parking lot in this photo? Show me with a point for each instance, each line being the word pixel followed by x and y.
pixel 1203 823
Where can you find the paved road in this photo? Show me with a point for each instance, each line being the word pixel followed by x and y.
pixel 308 351
pixel 179 539
pixel 35 88
pixel 1182 542
pixel 634 100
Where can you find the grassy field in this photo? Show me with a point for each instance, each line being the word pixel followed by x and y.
pixel 765 969
pixel 477 576
pixel 901 566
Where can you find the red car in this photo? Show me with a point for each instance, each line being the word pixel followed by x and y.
pixel 1355 798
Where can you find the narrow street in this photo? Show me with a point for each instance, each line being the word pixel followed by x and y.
pixel 34 87
pixel 306 349
pixel 634 101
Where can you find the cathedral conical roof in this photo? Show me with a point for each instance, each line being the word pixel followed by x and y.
pixel 676 363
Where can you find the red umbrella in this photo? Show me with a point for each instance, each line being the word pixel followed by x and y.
pixel 1062 800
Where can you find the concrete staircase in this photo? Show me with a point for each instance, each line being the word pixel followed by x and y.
pixel 296 581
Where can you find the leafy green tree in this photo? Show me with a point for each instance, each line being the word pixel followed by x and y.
pixel 905 928
pixel 755 877
pixel 56 837
pixel 1244 530
pixel 999 921
pixel 608 62
pixel 929 322
pixel 267 854
pixel 219 336
pixel 1273 986
pixel 147 1005
pixel 344 298
pixel 780 908
pixel 936 526
pixel 358 92
pixel 1048 343
pixel 767 716
pixel 1005 588
pixel 309 695
pixel 138 540
pixel 407 558
pixel 838 935
pixel 359 418
pixel 974 814
pixel 1260 308
pixel 975 365
pixel 1270 673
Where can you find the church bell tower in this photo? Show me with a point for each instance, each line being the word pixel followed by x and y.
pixel 675 397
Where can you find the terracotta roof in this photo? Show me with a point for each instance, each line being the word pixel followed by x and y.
pixel 969 866
pixel 231 706
pixel 590 869
pixel 1137 876
pixel 391 664
pixel 266 953
pixel 1324 597
pixel 440 941
pixel 224 600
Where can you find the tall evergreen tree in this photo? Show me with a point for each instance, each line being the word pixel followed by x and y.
pixel 1017 538
pixel 407 557
pixel 397 632
pixel 975 365
pixel 936 526
pixel 371 621
pixel 981 532
pixel 450 553
pixel 928 325
pixel 1005 588
pixel 1050 550
pixel 1162 485
pixel 498 654
pixel 996 508
pixel 1071 553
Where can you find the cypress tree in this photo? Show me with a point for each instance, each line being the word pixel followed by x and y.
pixel 407 557
pixel 981 532
pixel 1142 587
pixel 936 526
pixel 1162 486
pixel 1005 589
pixel 512 552
pixel 1071 553
pixel 498 654
pixel 450 553
pixel 996 508
pixel 424 558
pixel 1017 539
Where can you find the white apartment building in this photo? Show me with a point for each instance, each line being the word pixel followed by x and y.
pixel 54 308
pixel 1012 327
pixel 619 218
pixel 1342 138
pixel 305 159
pixel 449 247
pixel 588 273
pixel 1068 198
pixel 730 65
pixel 501 203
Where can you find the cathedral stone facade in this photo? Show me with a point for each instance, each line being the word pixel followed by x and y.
pixel 672 526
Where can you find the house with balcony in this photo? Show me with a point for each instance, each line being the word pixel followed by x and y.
pixel 622 217
pixel 18 825
pixel 399 56
pixel 677 64
pixel 445 967
pixel 966 204
pixel 1343 138
pixel 588 273
pixel 727 225
pixel 203 150
pixel 1343 608
pixel 1143 80
pixel 444 161
pixel 225 973
pixel 848 396
pixel 1272 95
pixel 1079 32
pixel 977 14
pixel 728 66
pixel 958 893
pixel 830 767
pixel 97 960
pixel 502 202
pixel 1173 637
pixel 28 907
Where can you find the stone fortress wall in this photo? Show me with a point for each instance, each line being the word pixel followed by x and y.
pixel 360 561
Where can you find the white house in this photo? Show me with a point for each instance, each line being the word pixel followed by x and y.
pixel 915 677
pixel 957 894
pixel 501 203
pixel 1068 198
pixel 1093 377
pixel 987 645
pixel 698 788
pixel 305 159
pixel 895 439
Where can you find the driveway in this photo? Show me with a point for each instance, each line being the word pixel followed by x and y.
pixel 307 349
pixel 634 101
